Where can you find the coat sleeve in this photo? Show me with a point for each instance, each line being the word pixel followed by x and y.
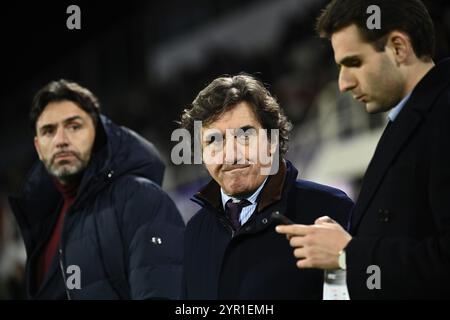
pixel 411 267
pixel 153 232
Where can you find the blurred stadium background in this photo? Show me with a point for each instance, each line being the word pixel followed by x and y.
pixel 147 60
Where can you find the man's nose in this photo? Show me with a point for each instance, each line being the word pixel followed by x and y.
pixel 233 152
pixel 61 139
pixel 346 80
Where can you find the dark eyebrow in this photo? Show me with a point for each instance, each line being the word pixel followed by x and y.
pixel 46 127
pixel 214 134
pixel 244 128
pixel 247 127
pixel 349 61
pixel 70 119
pixel 53 125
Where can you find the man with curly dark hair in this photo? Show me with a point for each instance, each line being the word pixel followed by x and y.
pixel 232 249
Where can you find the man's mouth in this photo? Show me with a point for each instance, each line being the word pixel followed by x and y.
pixel 64 155
pixel 229 168
pixel 360 98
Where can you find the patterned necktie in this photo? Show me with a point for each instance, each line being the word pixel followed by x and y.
pixel 233 211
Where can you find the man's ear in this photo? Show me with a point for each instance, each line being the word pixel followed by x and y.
pixel 37 147
pixel 400 45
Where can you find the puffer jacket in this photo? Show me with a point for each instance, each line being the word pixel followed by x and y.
pixel 123 232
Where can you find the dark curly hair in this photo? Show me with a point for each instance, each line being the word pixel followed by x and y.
pixel 223 93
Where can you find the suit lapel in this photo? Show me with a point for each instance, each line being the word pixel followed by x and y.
pixel 390 144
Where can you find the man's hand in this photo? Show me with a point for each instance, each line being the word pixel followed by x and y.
pixel 318 245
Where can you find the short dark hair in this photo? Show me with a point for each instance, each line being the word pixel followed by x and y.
pixel 62 90
pixel 223 93
pixel 409 16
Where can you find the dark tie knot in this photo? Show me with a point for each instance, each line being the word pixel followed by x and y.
pixel 233 211
pixel 238 205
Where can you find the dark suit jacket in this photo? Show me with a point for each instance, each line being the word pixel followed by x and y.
pixel 256 262
pixel 401 221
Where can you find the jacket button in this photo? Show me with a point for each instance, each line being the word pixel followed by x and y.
pixel 264 221
pixel 384 215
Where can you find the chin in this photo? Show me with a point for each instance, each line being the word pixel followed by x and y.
pixel 236 189
pixel 237 193
pixel 67 170
pixel 372 109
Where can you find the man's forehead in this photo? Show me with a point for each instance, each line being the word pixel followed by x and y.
pixel 244 126
pixel 347 42
pixel 56 112
pixel 239 116
pixel 222 131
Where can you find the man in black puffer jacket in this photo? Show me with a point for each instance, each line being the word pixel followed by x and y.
pixel 95 222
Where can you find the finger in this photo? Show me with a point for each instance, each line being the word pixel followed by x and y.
pixel 293 229
pixel 324 219
pixel 304 264
pixel 300 253
pixel 297 241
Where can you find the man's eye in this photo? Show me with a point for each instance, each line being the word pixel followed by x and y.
pixel 354 64
pixel 74 127
pixel 246 135
pixel 212 140
pixel 47 132
pixel 350 64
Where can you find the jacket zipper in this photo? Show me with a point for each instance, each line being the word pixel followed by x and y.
pixel 61 264
pixel 61 256
pixel 227 226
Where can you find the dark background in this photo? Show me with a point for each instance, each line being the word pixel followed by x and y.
pixel 146 61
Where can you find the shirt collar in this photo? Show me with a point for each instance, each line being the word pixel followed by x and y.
pixel 396 110
pixel 251 198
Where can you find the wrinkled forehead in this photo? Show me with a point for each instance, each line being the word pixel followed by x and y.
pixel 239 116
